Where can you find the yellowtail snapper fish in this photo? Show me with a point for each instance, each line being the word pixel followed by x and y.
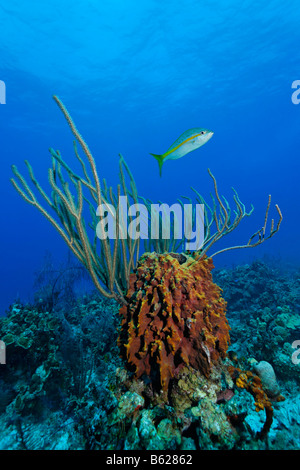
pixel 190 140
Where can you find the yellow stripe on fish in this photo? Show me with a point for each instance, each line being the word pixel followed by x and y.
pixel 190 140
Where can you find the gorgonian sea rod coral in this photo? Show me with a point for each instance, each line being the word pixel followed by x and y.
pixel 111 261
pixel 175 317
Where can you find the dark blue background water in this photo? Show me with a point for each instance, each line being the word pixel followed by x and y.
pixel 135 75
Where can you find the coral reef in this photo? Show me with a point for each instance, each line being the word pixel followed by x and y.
pixel 175 317
pixel 263 311
pixel 70 389
pixel 174 334
pixel 195 420
pixel 57 354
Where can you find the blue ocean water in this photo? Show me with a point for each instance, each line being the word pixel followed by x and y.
pixel 134 76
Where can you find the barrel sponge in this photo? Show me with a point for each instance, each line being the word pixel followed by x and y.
pixel 175 317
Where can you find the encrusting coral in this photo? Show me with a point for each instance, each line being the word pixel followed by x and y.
pixel 253 384
pixel 175 317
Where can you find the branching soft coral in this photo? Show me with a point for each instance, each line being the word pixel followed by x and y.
pixel 110 261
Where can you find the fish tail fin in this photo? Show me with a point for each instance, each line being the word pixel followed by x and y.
pixel 160 160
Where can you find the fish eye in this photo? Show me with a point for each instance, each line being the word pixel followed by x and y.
pixel 202 132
